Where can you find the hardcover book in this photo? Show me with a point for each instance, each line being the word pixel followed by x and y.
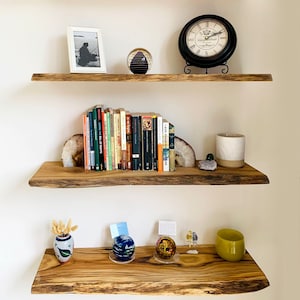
pixel 136 142
pixel 171 147
pixel 86 142
pixel 100 137
pixel 123 139
pixel 96 142
pixel 154 142
pixel 92 148
pixel 128 141
pixel 147 145
pixel 158 143
pixel 112 139
pixel 104 138
pixel 117 139
pixel 165 137
pixel 108 140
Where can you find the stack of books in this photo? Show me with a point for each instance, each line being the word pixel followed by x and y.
pixel 115 139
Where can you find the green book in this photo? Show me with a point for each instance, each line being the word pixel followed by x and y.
pixel 96 140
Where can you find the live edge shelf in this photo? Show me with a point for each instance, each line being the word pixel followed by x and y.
pixel 90 271
pixel 54 175
pixel 149 77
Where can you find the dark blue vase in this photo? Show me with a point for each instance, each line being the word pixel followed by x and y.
pixel 123 248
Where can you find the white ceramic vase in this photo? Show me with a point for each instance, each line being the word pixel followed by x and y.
pixel 63 247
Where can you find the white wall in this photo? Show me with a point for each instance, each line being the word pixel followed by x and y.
pixel 37 117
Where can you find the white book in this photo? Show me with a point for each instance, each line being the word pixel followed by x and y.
pixel 165 142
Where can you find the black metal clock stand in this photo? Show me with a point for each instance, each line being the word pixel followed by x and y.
pixel 224 68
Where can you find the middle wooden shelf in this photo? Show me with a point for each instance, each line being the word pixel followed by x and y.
pixel 54 175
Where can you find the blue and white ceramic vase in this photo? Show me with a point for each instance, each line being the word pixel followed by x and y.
pixel 63 247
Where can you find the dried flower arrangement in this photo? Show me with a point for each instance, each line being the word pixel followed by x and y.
pixel 59 228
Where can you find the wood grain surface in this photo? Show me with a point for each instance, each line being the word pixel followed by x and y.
pixel 54 175
pixel 148 77
pixel 90 271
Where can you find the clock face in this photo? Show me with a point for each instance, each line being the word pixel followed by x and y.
pixel 207 41
pixel 207 37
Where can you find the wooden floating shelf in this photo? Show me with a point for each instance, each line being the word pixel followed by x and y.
pixel 54 175
pixel 90 271
pixel 149 77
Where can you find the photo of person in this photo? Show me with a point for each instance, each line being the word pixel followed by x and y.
pixel 85 56
pixel 85 50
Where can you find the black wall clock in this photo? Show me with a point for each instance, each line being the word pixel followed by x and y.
pixel 207 41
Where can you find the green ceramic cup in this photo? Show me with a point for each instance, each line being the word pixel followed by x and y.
pixel 230 244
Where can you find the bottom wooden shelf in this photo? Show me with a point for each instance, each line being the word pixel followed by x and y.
pixel 91 271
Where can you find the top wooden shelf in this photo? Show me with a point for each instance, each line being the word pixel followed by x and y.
pixel 90 271
pixel 148 77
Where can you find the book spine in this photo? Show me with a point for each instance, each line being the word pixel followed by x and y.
pixel 85 127
pixel 92 149
pixel 159 143
pixel 96 142
pixel 104 138
pixel 123 139
pixel 128 142
pixel 172 147
pixel 88 147
pixel 136 142
pixel 166 165
pixel 154 146
pixel 112 140
pixel 100 138
pixel 117 135
pixel 147 142
pixel 108 141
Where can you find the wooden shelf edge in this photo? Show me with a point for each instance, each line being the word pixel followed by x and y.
pixel 54 175
pixel 148 77
pixel 90 271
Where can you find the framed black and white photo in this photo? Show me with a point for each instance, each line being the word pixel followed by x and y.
pixel 86 53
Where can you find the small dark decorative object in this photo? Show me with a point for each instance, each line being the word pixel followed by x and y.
pixel 210 156
pixel 165 247
pixel 123 249
pixel 207 41
pixel 139 61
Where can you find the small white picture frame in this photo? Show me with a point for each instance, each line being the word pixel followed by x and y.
pixel 86 53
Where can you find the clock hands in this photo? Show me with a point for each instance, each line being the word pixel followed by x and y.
pixel 215 33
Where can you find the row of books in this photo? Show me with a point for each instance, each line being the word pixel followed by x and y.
pixel 117 139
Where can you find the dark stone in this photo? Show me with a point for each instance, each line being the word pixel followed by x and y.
pixel 139 64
